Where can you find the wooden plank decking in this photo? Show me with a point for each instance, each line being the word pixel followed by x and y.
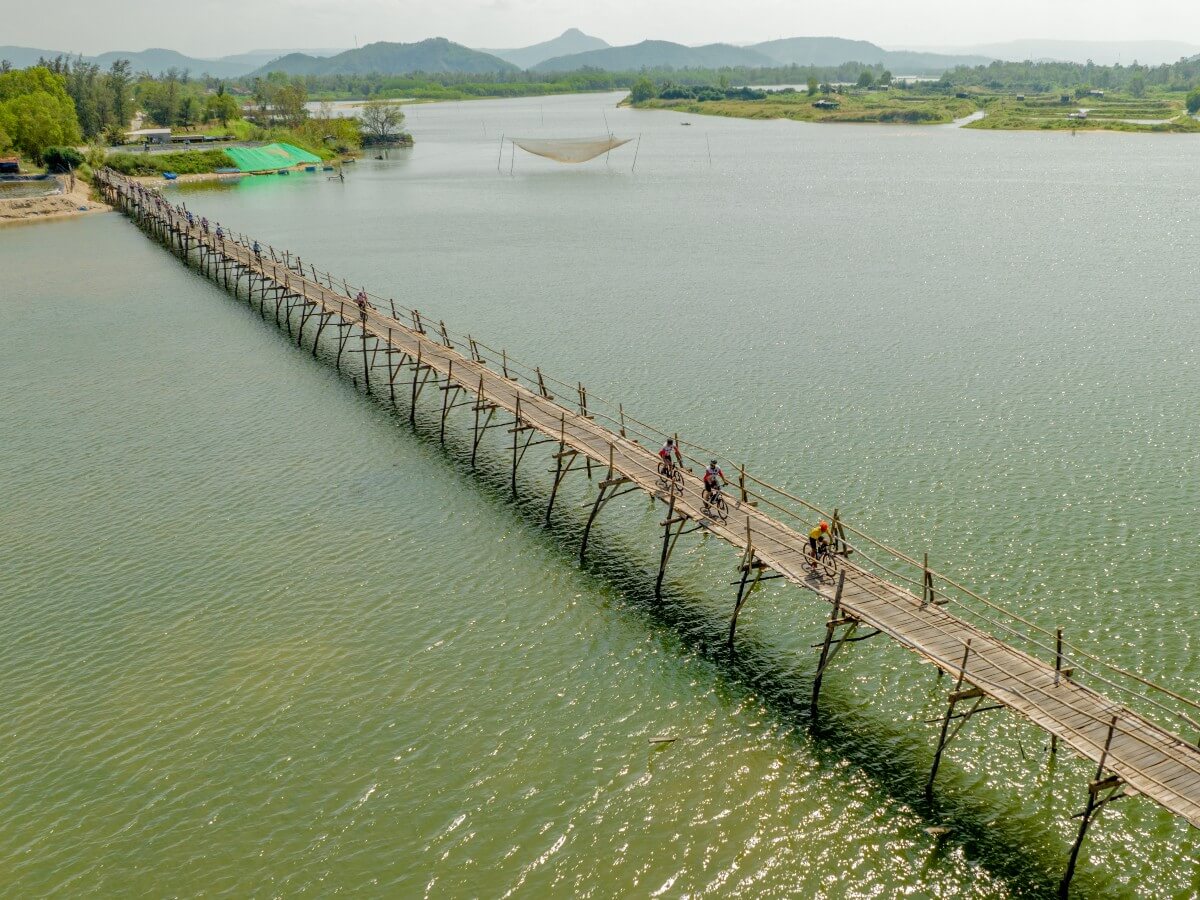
pixel 1148 758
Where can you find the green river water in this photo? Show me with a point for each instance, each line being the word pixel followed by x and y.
pixel 262 638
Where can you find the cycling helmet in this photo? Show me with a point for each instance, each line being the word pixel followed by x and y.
pixel 824 526
pixel 712 462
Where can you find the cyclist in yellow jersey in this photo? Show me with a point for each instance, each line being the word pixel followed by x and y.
pixel 819 537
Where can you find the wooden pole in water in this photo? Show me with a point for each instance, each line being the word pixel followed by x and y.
pixel 635 153
pixel 830 628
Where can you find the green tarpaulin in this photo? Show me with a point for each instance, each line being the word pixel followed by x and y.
pixel 270 158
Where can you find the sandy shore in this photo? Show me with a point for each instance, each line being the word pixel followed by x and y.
pixel 56 206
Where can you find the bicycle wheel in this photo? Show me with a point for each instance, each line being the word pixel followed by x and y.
pixel 829 563
pixel 720 507
pixel 810 558
pixel 677 480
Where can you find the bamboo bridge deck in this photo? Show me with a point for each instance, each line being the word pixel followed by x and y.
pixel 1133 754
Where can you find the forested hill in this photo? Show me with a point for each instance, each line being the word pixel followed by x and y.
pixel 833 51
pixel 570 41
pixel 433 55
pixel 658 55
pixel 155 61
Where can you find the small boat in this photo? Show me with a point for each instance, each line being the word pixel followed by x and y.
pixel 328 168
pixel 282 172
pixel 170 176
pixel 310 168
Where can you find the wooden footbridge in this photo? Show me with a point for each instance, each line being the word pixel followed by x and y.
pixel 994 658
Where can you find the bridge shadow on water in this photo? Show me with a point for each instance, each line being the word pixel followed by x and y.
pixel 897 761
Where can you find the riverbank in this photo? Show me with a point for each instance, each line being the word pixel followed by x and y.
pixel 886 107
pixel 985 111
pixel 67 205
pixel 1161 114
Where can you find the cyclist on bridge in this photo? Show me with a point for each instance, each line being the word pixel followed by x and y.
pixel 670 455
pixel 712 486
pixel 361 300
pixel 818 539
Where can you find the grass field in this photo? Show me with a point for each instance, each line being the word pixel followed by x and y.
pixel 900 107
pixel 1159 113
pixel 185 162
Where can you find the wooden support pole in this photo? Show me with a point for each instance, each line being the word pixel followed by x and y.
pixel 446 401
pixel 412 405
pixel 366 362
pixel 1058 659
pixel 666 547
pixel 937 755
pixel 1064 886
pixel 601 496
pixel 516 433
pixel 560 472
pixel 830 628
pixel 478 432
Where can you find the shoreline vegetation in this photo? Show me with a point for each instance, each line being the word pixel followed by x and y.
pixel 1082 110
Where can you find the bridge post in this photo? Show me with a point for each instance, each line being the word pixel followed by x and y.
pixel 670 536
pixel 608 489
pixel 480 405
pixel 1095 787
pixel 447 401
pixel 366 362
pixel 516 433
pixel 955 695
pixel 830 627
pixel 560 472
pixel 749 563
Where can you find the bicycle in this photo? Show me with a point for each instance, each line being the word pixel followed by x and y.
pixel 670 476
pixel 823 561
pixel 713 502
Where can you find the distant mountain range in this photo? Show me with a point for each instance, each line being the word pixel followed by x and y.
pixel 569 42
pixel 157 60
pixel 833 51
pixel 657 55
pixel 431 55
pixel 574 50
pixel 1102 53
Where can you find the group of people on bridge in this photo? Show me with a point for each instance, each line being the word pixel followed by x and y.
pixel 714 479
pixel 153 199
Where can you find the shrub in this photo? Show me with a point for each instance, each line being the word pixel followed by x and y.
pixel 62 159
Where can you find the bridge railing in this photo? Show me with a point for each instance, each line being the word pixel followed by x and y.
pixel 889 563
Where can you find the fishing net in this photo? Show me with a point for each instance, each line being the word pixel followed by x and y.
pixel 570 150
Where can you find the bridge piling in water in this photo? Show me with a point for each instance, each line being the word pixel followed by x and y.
pixel 900 595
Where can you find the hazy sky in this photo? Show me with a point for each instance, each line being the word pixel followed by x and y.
pixel 219 27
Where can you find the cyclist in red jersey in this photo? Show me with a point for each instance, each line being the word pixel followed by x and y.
pixel 713 479
pixel 670 455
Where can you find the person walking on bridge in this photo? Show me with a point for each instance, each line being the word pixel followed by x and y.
pixel 361 300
